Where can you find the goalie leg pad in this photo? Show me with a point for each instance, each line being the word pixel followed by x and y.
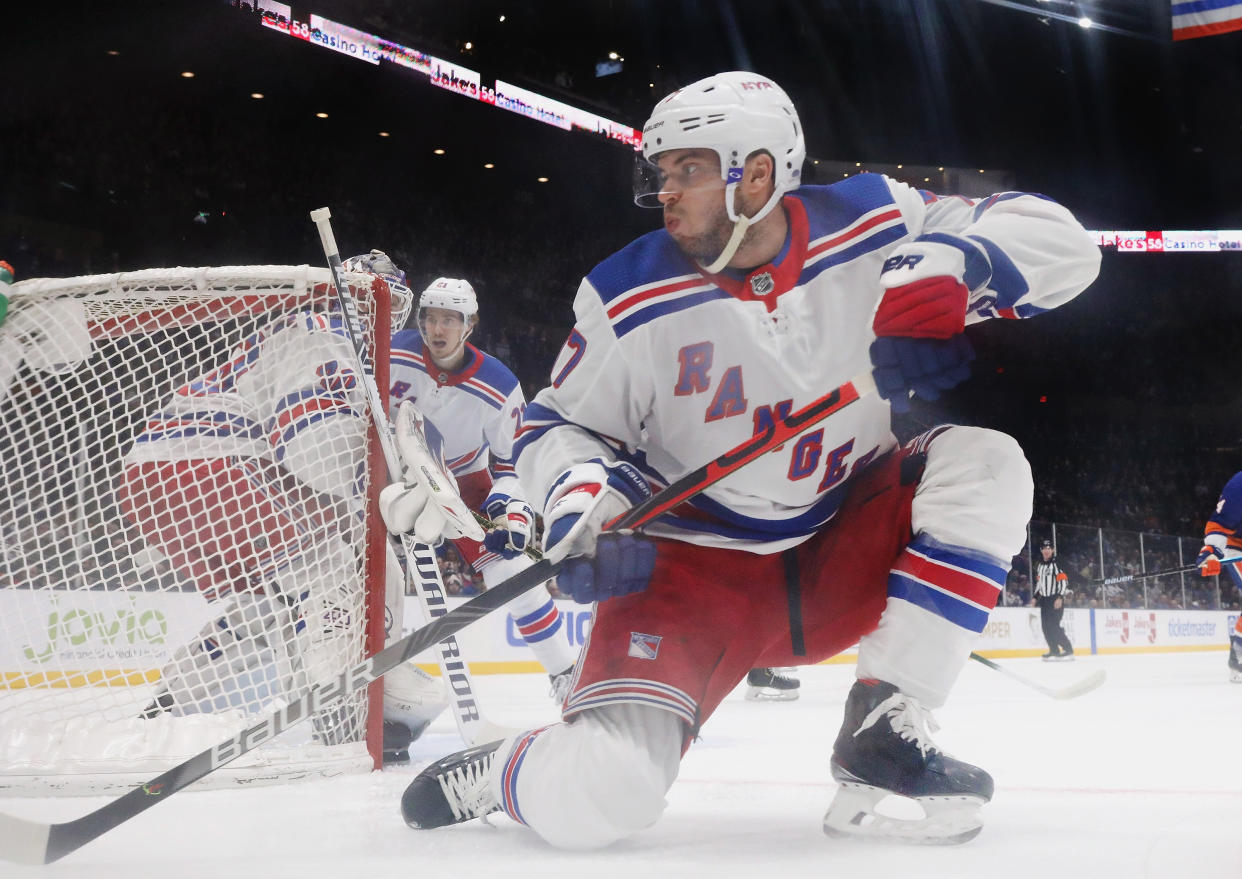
pixel 413 698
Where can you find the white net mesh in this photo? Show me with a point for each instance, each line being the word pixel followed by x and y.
pixel 185 507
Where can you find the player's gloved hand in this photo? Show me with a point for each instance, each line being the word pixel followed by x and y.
pixel 1209 561
pixel 425 503
pixel 585 498
pixel 919 323
pixel 514 521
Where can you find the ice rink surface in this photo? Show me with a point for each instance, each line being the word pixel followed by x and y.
pixel 1140 778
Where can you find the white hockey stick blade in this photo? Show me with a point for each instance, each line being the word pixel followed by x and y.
pixel 1086 685
pixel 22 841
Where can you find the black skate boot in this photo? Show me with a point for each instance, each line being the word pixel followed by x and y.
pixel 451 790
pixel 766 685
pixel 397 740
pixel 1235 660
pixel 885 747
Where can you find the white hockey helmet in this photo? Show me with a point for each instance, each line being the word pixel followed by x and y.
pixel 401 297
pixel 733 114
pixel 452 294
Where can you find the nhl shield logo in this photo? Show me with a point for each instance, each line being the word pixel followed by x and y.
pixel 644 646
pixel 762 284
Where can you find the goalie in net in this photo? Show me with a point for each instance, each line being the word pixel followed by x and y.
pixel 249 481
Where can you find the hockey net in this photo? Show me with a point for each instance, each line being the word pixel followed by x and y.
pixel 162 562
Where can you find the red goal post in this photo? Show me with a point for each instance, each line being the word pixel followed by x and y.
pixel 107 601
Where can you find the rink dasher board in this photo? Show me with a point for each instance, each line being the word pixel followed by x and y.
pixel 80 638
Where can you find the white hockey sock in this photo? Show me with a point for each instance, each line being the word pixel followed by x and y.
pixel 542 627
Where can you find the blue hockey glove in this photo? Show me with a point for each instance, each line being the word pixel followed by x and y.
pixel 581 502
pixel 919 322
pixel 1209 561
pixel 514 521
pixel 924 366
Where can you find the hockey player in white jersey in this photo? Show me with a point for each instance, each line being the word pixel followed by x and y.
pixel 474 402
pixel 755 298
pixel 247 481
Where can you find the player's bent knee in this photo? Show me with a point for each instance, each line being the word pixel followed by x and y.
pixel 619 762
pixel 976 491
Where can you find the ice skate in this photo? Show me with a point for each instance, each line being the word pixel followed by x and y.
pixel 1235 660
pixel 885 748
pixel 767 685
pixel 1049 656
pixel 451 790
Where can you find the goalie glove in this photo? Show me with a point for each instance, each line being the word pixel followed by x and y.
pixel 585 498
pixel 919 346
pixel 425 503
pixel 514 522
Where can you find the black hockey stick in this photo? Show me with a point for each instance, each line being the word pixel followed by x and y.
pixel 1086 685
pixel 1183 569
pixel 35 842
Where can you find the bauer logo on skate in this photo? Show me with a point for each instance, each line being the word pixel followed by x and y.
pixel 644 646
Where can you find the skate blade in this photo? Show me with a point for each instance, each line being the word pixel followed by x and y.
pixel 767 694
pixel 947 820
pixel 1235 676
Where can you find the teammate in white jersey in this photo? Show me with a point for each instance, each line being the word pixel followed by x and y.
pixel 754 299
pixel 247 481
pixel 474 403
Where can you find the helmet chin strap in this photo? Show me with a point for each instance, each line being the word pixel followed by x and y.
pixel 741 223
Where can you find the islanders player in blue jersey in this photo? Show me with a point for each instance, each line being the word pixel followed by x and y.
pixel 474 403
pixel 757 297
pixel 1222 537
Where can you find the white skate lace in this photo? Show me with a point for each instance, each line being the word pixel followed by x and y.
pixel 560 685
pixel 467 790
pixel 908 718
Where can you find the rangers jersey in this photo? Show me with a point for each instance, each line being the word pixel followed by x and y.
pixel 283 383
pixel 667 367
pixel 475 409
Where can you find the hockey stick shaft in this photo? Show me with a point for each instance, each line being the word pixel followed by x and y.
pixel 34 842
pixel 1086 685
pixel 1183 569
pixel 420 559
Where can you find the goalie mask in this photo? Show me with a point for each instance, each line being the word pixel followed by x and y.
pixel 448 311
pixel 400 296
pixel 735 115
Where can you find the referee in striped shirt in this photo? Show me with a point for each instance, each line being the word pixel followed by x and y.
pixel 1051 584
